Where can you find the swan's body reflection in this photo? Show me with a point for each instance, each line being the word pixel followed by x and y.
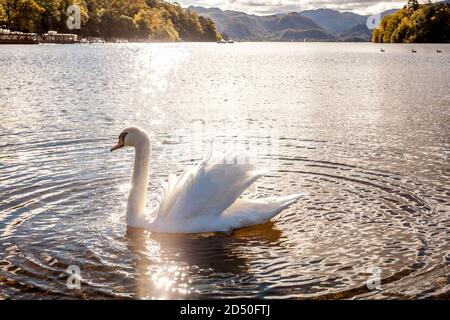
pixel 171 266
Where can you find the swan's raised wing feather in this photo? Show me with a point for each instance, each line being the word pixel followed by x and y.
pixel 208 188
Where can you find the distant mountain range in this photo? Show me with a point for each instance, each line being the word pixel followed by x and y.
pixel 309 25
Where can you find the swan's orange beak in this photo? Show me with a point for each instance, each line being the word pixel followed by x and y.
pixel 117 146
pixel 121 142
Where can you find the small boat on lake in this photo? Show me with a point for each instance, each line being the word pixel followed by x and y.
pixel 62 38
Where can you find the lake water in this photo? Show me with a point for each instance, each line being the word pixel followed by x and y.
pixel 366 134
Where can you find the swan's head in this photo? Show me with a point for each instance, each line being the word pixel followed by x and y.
pixel 131 137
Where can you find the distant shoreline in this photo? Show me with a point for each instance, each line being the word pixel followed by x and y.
pixel 235 43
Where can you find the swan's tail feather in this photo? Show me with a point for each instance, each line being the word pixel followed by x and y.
pixel 248 212
pixel 277 204
pixel 286 201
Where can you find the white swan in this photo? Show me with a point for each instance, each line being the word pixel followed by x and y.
pixel 204 198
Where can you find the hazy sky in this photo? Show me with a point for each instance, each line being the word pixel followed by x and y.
pixel 262 7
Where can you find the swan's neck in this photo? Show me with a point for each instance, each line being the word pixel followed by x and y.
pixel 137 197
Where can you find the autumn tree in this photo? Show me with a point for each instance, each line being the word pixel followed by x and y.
pixel 3 18
pixel 132 19
pixel 427 23
pixel 23 15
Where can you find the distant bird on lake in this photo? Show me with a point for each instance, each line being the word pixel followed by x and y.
pixel 413 51
pixel 382 50
pixel 438 51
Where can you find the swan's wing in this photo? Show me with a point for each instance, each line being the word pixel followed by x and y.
pixel 208 188
pixel 247 212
